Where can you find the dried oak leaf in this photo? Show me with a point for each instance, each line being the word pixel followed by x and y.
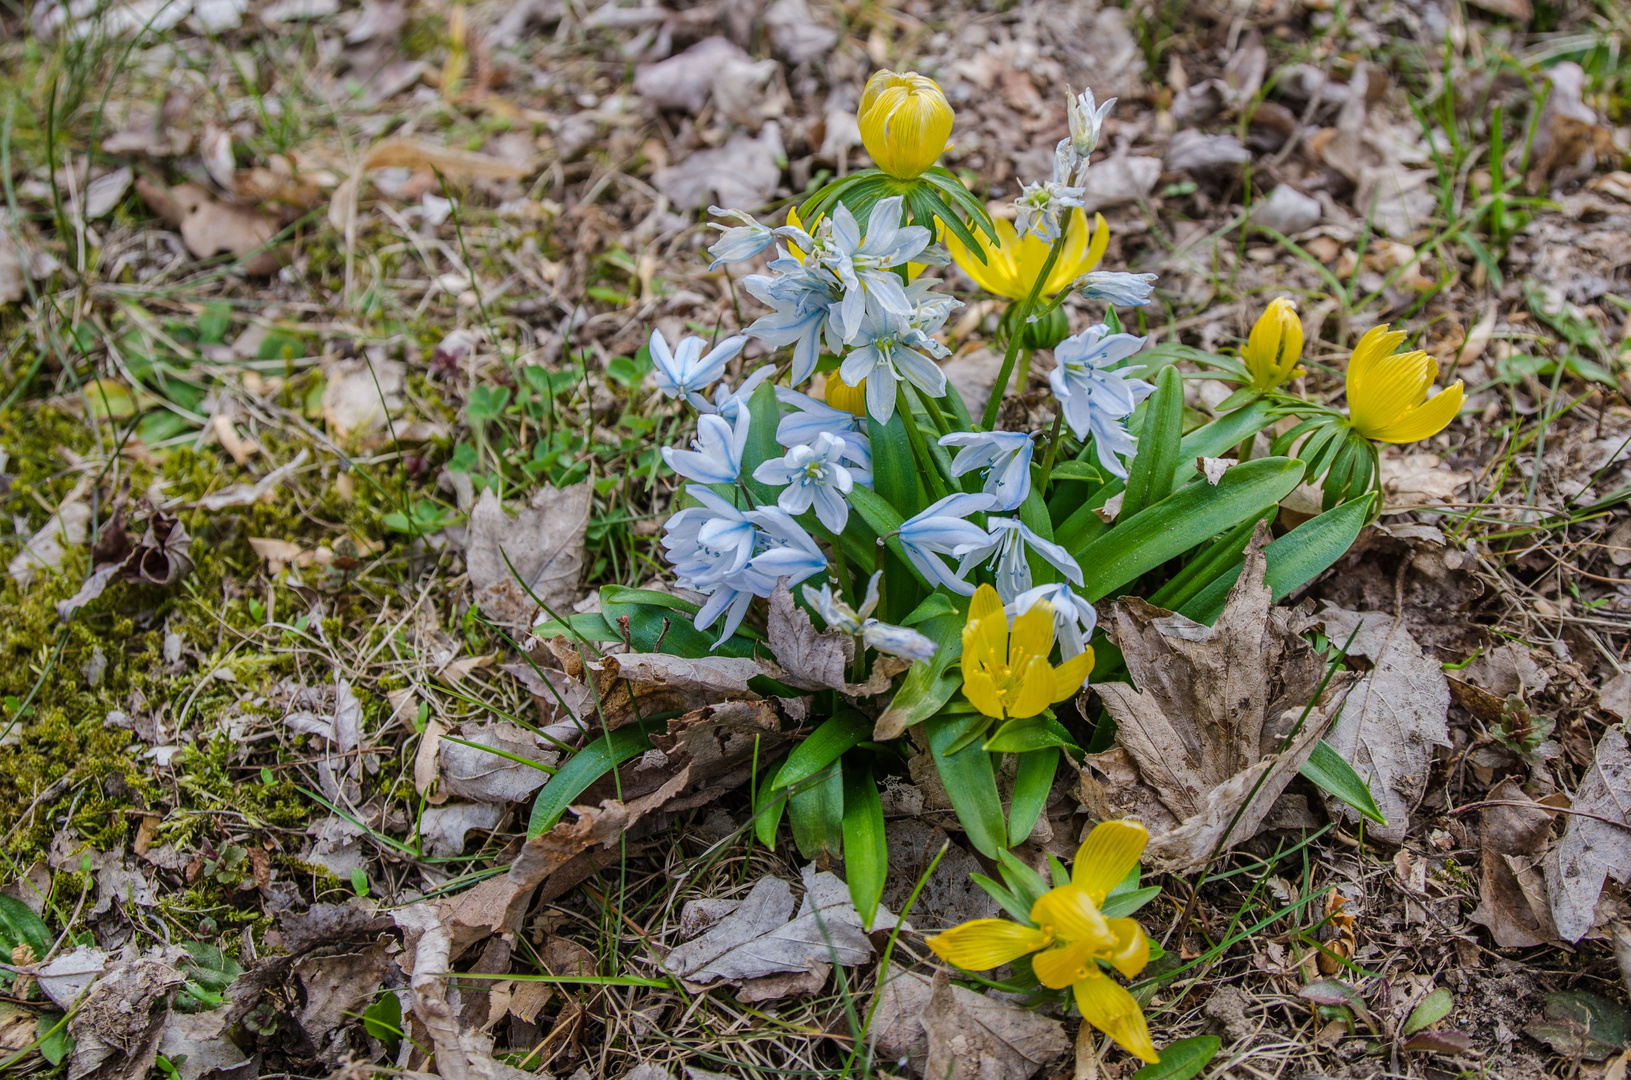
pixel 1392 718
pixel 333 988
pixel 818 661
pixel 122 1018
pixel 1596 841
pixel 1213 705
pixel 210 227
pixel 1511 890
pixel 539 551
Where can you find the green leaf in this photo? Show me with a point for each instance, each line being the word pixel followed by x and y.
pixel 971 785
pixel 20 926
pixel 929 684
pixel 1432 1008
pixel 762 444
pixel 1182 1059
pixel 214 322
pixel 866 855
pixel 1224 553
pixel 595 760
pixel 1180 521
pixel 209 972
pixel 655 628
pixel 1032 785
pixel 1150 479
pixel 1027 734
pixel 1005 898
pixel 1120 905
pixel 591 626
pixel 1077 470
pixel 1221 435
pixel 1330 772
pixel 816 813
pixel 1026 882
pixel 1580 1024
pixel 767 814
pixel 51 1028
pixel 894 468
pixel 383 1021
pixel 933 606
pixel 622 594
pixel 1293 560
pixel 824 746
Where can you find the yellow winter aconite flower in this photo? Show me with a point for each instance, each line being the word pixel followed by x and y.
pixel 1070 937
pixel 905 122
pixel 1008 674
pixel 1012 266
pixel 1387 391
pixel 841 395
pixel 1275 345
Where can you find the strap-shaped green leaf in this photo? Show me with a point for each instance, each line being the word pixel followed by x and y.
pixel 761 444
pixel 866 854
pixel 894 468
pixel 1222 435
pixel 1330 772
pixel 1180 521
pixel 816 813
pixel 971 785
pixel 595 760
pixel 1209 562
pixel 826 743
pixel 929 684
pixel 1150 478
pixel 1032 785
pixel 1293 560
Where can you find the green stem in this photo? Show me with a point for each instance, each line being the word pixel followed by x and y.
pixel 994 404
pixel 1053 445
pixel 920 450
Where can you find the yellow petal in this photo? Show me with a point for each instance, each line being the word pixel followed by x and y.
pixel 1377 344
pixel 1275 344
pixel 986 943
pixel 794 220
pixel 1392 385
pixel 1034 691
pixel 1132 949
pixel 1059 968
pixel 1425 420
pixel 986 604
pixel 1108 1006
pixel 841 395
pixel 905 121
pixel 1033 635
pixel 980 690
pixel 1069 676
pixel 1074 256
pixel 996 274
pixel 1070 915
pixel 1108 854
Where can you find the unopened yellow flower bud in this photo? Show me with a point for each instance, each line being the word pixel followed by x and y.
pixel 905 122
pixel 841 395
pixel 1275 345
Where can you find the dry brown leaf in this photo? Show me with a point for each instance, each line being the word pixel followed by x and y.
pixel 539 551
pixel 455 164
pixel 122 1018
pixel 1392 718
pixel 1596 841
pixel 470 772
pixel 1418 479
pixel 742 174
pixel 360 393
pixel 809 660
pixel 1213 706
pixel 974 1037
pixel 13 279
pixel 712 676
pixel 1512 839
pixel 210 227
pixel 426 770
pixel 443 828
pixel 335 986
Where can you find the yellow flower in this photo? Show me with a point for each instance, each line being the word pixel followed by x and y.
pixel 1012 265
pixel 1010 675
pixel 905 122
pixel 1070 937
pixel 841 395
pixel 1275 345
pixel 1387 391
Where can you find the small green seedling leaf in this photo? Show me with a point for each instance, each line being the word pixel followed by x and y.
pixel 1182 1059
pixel 1433 1008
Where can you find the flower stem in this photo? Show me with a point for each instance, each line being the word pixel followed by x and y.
pixel 1053 445
pixel 994 404
pixel 920 451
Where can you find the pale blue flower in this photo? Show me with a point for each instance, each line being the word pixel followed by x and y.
pixel 940 529
pixel 1073 617
pixel 810 418
pixel 782 550
pixel 1041 208
pixel 717 458
pixel 1095 396
pixel 1086 122
pixel 890 350
pixel 685 371
pixel 814 474
pixel 1003 456
pixel 803 300
pixel 1129 290
pixel 865 264
pixel 728 402
pixel 707 543
pixel 898 641
pixel 742 242
pixel 1005 547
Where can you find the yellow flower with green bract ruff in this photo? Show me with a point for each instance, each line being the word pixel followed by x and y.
pixel 1387 391
pixel 905 121
pixel 1008 674
pixel 1275 345
pixel 1012 265
pixel 1070 938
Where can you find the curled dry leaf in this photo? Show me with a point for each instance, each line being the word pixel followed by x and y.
pixel 210 227
pixel 1206 724
pixel 539 551
pixel 818 661
pixel 1512 901
pixel 117 1030
pixel 1596 841
pixel 161 557
pixel 333 988
pixel 1392 719
pixel 470 772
